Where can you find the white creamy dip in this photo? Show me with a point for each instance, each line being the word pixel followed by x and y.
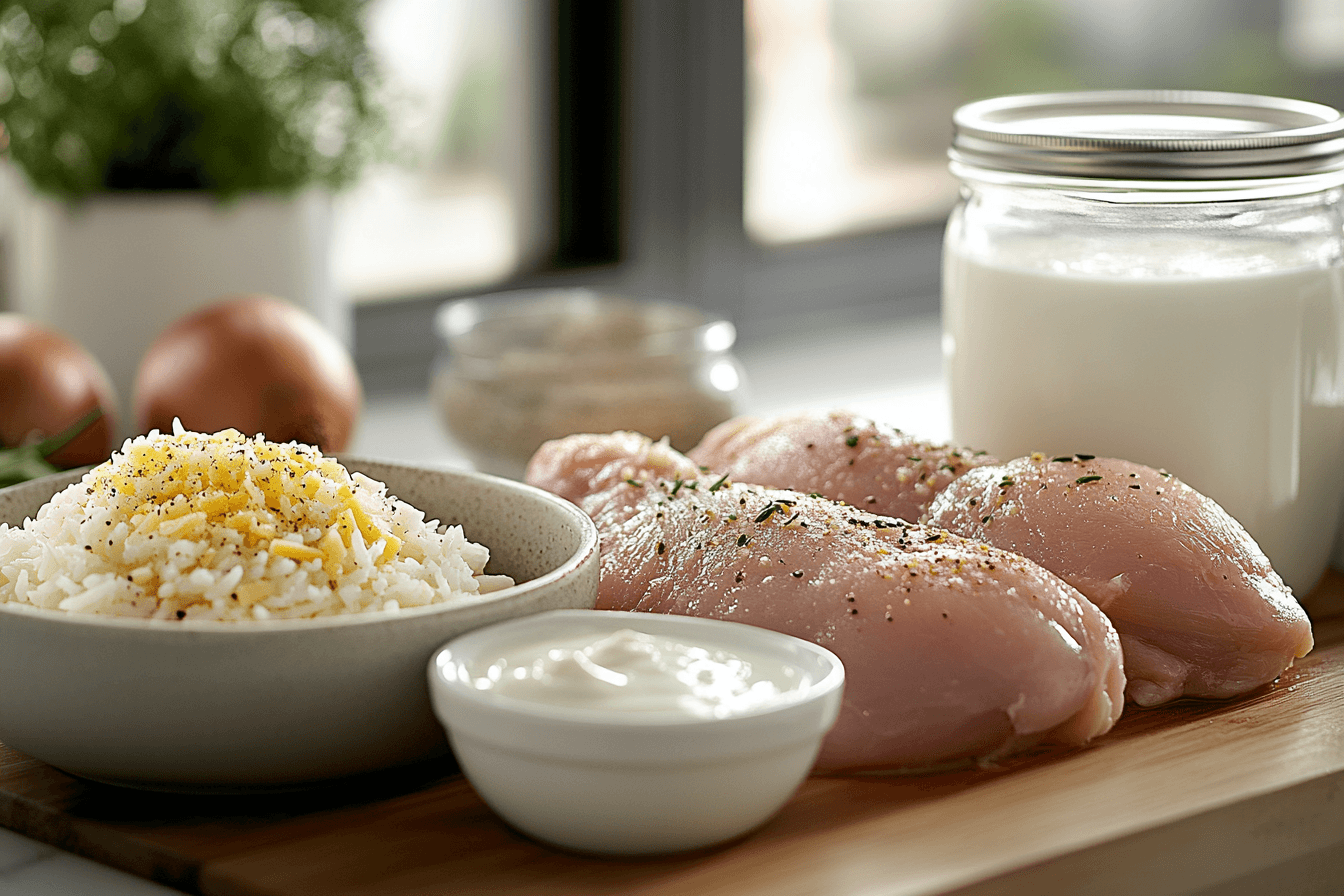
pixel 631 671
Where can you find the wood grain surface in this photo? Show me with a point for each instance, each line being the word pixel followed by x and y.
pixel 1197 797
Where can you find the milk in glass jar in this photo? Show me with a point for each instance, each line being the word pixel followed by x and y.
pixel 1158 276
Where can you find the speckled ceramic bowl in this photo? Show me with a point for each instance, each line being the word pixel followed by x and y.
pixel 204 706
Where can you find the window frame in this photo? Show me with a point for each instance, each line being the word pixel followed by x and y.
pixel 655 209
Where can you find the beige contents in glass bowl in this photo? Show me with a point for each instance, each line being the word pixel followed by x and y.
pixel 520 371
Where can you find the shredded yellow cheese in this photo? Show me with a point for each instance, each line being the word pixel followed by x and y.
pixel 260 489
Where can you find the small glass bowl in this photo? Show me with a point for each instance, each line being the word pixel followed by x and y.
pixel 621 782
pixel 520 368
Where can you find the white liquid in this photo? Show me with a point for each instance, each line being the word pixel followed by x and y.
pixel 630 671
pixel 1235 384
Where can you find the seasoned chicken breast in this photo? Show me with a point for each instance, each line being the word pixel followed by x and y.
pixel 1199 610
pixel 840 455
pixel 953 650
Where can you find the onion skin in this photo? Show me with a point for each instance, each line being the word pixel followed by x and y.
pixel 47 383
pixel 253 363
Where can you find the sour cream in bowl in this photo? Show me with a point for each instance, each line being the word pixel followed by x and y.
pixel 634 733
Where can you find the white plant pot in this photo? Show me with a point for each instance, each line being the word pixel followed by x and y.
pixel 113 271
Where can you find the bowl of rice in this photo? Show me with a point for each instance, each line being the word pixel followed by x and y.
pixel 212 612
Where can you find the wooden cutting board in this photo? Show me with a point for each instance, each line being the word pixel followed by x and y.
pixel 1244 797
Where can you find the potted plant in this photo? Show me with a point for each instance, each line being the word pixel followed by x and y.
pixel 176 151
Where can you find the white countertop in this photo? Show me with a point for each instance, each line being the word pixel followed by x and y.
pixel 890 371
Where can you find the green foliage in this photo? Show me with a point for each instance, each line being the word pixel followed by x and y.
pixel 225 96
pixel 1024 47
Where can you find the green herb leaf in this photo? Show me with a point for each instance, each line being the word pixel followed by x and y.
pixel 25 462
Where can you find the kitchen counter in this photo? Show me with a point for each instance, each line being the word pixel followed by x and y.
pixel 891 371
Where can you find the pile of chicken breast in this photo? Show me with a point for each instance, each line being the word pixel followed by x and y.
pixel 979 607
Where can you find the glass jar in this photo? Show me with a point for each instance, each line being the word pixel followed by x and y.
pixel 519 368
pixel 1158 277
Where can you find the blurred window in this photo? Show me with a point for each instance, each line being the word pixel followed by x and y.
pixel 782 162
pixel 849 102
pixel 455 208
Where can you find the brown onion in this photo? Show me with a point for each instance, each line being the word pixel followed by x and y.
pixel 252 363
pixel 47 383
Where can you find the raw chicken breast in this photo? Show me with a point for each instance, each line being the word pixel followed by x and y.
pixel 1199 610
pixel 953 650
pixel 840 455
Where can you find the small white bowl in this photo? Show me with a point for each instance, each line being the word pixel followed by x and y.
pixel 632 783
pixel 281 703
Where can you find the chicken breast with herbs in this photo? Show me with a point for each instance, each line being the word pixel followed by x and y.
pixel 841 455
pixel 953 650
pixel 1199 610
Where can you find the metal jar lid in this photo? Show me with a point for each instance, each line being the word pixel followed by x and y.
pixel 1149 135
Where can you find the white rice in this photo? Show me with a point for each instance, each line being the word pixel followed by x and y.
pixel 226 527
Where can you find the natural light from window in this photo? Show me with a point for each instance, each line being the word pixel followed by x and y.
pixel 448 212
pixel 849 102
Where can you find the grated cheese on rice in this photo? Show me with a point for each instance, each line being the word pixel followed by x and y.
pixel 226 527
